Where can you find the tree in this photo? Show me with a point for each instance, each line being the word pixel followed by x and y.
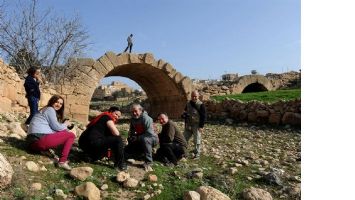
pixel 254 72
pixel 30 37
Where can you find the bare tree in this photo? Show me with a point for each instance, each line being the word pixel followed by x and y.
pixel 30 37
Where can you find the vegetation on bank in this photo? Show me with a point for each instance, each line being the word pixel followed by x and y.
pixel 268 96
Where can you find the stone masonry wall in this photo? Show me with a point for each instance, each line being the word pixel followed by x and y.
pixel 279 113
pixel 12 91
pixel 270 81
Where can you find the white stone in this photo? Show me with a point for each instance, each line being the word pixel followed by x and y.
pixel 32 166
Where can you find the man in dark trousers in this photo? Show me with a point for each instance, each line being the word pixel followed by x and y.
pixel 172 143
pixel 195 117
pixel 33 93
pixel 130 43
pixel 141 136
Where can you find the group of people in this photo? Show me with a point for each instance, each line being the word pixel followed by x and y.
pixel 48 129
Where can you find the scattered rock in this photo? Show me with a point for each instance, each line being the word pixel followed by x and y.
pixel 130 183
pixel 104 187
pixel 88 190
pixel 272 178
pixel 36 186
pixel 191 195
pixel 6 172
pixel 256 194
pixel 32 166
pixel 60 194
pixel 210 193
pixel 81 173
pixel 15 127
pixel 122 176
pixel 152 178
pixel 233 170
pixel 147 196
pixel 294 191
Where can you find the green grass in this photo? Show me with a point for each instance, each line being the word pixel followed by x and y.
pixel 269 96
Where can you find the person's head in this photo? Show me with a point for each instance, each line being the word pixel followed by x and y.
pixel 136 110
pixel 163 118
pixel 57 102
pixel 115 112
pixel 194 95
pixel 131 35
pixel 33 71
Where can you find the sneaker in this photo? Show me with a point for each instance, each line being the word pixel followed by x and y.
pixel 147 167
pixel 196 157
pixel 122 166
pixel 64 165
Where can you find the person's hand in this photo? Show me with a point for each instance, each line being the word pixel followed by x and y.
pixel 67 122
pixel 38 77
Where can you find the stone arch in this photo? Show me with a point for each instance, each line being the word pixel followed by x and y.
pixel 250 82
pixel 167 90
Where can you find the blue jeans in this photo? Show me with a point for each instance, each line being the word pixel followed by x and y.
pixel 33 103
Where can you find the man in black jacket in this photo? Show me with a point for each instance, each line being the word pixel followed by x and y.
pixel 33 93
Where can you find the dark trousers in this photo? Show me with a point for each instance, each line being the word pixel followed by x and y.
pixel 173 152
pixel 33 103
pixel 130 47
pixel 141 146
pixel 98 148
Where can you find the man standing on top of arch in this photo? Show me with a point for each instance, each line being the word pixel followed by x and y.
pixel 130 43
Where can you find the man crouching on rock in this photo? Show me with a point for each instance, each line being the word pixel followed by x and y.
pixel 172 142
pixel 141 136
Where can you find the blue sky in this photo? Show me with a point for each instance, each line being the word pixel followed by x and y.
pixel 201 38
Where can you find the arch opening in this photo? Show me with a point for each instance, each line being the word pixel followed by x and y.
pixel 167 90
pixel 254 87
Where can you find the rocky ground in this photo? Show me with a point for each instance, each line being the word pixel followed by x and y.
pixel 241 160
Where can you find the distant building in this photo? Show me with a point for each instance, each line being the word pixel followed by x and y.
pixel 230 77
pixel 114 90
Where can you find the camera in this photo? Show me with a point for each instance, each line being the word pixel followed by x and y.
pixel 185 115
pixel 70 127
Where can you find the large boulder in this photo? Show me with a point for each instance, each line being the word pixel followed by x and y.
pixel 6 172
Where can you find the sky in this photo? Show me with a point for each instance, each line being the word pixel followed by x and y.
pixel 202 39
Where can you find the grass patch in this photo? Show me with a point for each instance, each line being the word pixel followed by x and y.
pixel 269 96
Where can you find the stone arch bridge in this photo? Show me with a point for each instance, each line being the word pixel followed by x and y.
pixel 252 83
pixel 167 90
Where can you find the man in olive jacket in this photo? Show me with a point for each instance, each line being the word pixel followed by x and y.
pixel 195 117
pixel 172 143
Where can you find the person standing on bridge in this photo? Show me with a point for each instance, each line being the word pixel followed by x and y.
pixel 195 117
pixel 130 43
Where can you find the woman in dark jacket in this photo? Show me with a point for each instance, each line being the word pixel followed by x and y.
pixel 101 135
pixel 33 93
